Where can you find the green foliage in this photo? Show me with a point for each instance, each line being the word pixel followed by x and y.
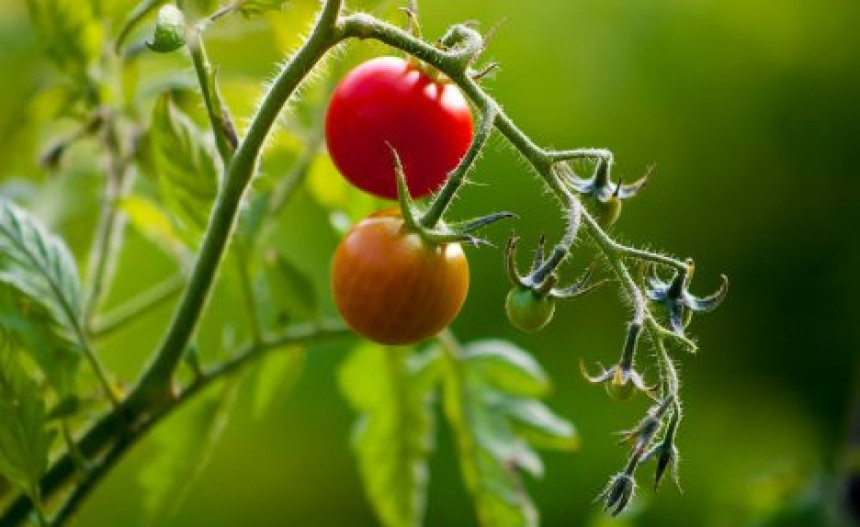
pixel 153 223
pixel 392 388
pixel 507 368
pixel 25 440
pixel 275 376
pixel 487 400
pixel 69 32
pixel 249 8
pixel 346 203
pixel 40 295
pixel 289 288
pixel 185 443
pixel 186 170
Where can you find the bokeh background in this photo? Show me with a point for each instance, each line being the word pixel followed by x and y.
pixel 750 113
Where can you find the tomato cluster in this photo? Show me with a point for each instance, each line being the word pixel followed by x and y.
pixel 389 282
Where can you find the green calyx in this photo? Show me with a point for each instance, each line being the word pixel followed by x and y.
pixel 602 196
pixel 440 232
pixel 530 304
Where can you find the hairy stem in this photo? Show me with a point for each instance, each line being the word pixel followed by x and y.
pixel 458 175
pixel 219 116
pixel 156 380
pixel 152 398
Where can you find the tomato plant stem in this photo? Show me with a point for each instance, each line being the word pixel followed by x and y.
pixel 156 380
pixel 458 175
pixel 219 115
pixel 153 397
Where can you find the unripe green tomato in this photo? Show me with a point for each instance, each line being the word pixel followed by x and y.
pixel 528 310
pixel 608 211
pixel 619 389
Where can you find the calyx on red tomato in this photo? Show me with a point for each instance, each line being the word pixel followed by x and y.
pixel 393 287
pixel 389 103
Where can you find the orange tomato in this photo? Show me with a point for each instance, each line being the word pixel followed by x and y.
pixel 391 286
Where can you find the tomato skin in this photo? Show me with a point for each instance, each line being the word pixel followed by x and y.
pixel 392 287
pixel 388 101
pixel 527 310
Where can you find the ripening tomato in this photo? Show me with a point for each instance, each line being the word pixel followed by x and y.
pixel 387 101
pixel 394 288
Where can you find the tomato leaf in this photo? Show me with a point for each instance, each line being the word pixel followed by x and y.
pixel 539 425
pixel 275 376
pixel 290 288
pixel 185 443
pixel 250 8
pixel 40 294
pixel 154 224
pixel 24 439
pixel 187 171
pixel 70 33
pixel 393 390
pixel 488 389
pixel 507 367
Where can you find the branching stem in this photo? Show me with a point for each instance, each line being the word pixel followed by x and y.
pixel 153 398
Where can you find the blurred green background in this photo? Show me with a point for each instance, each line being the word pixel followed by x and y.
pixel 750 113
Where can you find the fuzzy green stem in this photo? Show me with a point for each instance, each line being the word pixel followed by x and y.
pixel 219 116
pixel 458 175
pixel 157 378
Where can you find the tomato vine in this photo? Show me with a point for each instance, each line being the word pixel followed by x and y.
pixel 455 56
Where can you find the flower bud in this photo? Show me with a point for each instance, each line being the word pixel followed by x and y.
pixel 169 32
pixel 618 493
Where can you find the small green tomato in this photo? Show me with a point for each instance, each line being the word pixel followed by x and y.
pixel 608 211
pixel 528 310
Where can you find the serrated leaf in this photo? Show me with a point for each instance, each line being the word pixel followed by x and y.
pixel 490 454
pixel 507 367
pixel 70 33
pixel 393 390
pixel 186 169
pixel 291 288
pixel 250 8
pixel 169 33
pixel 40 295
pixel 276 376
pixel 185 443
pixel 539 425
pixel 488 390
pixel 24 439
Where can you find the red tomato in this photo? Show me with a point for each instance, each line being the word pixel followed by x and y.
pixel 392 287
pixel 388 101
